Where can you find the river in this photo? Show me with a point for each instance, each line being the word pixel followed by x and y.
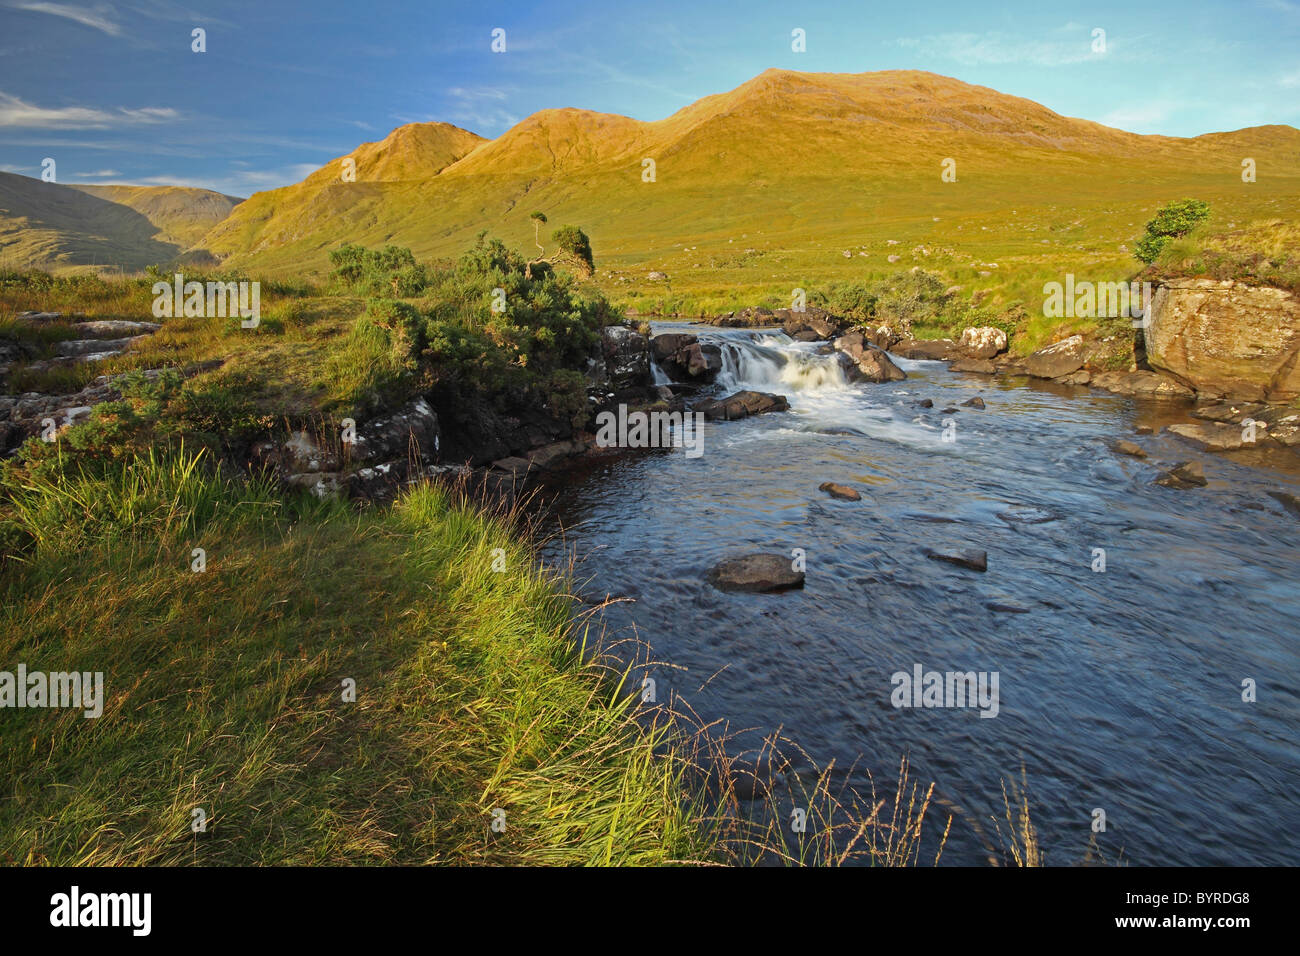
pixel 1119 689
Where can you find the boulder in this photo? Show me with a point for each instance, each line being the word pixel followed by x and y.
pixel 667 344
pixel 1056 360
pixel 1126 447
pixel 975 402
pixel 982 342
pixel 1186 474
pixel 933 350
pixel 756 573
pixel 1227 338
pixel 817 322
pixel 976 366
pixel 843 492
pixel 626 356
pixel 742 405
pixel 873 364
pixel 414 427
pixel 1214 436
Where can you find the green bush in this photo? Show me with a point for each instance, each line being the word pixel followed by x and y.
pixel 1171 221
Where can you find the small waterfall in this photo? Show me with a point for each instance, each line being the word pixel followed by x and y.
pixel 769 362
pixel 657 375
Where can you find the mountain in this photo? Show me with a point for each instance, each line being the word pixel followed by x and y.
pixel 784 163
pixel 51 225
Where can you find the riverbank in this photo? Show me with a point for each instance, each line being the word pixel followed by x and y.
pixel 404 686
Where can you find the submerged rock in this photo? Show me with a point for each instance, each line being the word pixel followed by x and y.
pixel 756 573
pixel 843 492
pixel 1186 474
pixel 971 558
pixel 975 402
pixel 1126 447
pixel 1288 501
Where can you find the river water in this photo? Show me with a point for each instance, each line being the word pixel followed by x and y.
pixel 1119 690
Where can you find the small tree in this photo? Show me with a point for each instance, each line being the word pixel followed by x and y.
pixel 539 219
pixel 1171 221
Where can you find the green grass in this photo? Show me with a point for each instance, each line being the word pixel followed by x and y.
pixel 224 691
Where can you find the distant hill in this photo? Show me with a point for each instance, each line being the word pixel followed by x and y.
pixel 789 165
pixel 56 226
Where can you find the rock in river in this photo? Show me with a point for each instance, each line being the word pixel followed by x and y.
pixel 965 558
pixel 742 405
pixel 1186 474
pixel 843 492
pixel 756 572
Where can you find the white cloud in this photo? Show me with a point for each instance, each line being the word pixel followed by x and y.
pixel 1137 119
pixel 97 18
pixel 994 48
pixel 99 173
pixel 16 112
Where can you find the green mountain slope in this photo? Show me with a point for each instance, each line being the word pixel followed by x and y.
pixel 770 185
pixel 56 226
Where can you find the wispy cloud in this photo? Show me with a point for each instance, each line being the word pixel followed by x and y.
pixel 97 18
pixel 999 49
pixel 99 173
pixel 18 113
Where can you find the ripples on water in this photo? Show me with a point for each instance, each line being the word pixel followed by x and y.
pixel 1119 690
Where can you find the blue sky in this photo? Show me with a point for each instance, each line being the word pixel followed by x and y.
pixel 113 92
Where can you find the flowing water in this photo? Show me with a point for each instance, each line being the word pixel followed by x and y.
pixel 1118 689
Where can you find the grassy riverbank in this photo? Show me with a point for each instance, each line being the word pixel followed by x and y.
pixel 224 689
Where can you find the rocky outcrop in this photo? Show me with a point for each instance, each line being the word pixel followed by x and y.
pixel 756 573
pixel 1142 384
pixel 870 362
pixel 622 360
pixel 22 416
pixel 1226 338
pixel 742 405
pixel 684 359
pixel 813 325
pixel 982 342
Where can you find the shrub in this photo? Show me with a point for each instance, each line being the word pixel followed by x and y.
pixel 1171 221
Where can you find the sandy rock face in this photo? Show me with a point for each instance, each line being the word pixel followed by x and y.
pixel 1227 338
